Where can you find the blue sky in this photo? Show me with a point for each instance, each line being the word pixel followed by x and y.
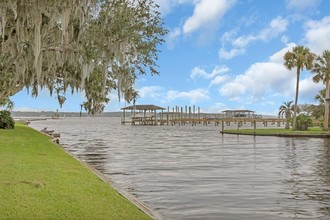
pixel 223 54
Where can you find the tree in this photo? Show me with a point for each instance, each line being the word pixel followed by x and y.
pixel 321 70
pixel 300 57
pixel 317 111
pixel 7 104
pixel 286 109
pixel 320 97
pixel 63 44
pixel 303 122
pixel 6 121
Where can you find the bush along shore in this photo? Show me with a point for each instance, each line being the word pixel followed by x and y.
pixel 39 180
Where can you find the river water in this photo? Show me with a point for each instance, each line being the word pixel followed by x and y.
pixel 194 172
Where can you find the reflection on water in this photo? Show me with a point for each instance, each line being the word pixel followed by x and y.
pixel 193 172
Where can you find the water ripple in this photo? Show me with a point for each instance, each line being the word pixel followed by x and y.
pixel 193 172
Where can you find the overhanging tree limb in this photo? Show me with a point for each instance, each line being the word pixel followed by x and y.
pixel 61 44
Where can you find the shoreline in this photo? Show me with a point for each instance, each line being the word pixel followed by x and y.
pixel 139 204
pixel 135 201
pixel 325 135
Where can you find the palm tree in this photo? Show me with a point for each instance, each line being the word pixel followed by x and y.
pixel 286 109
pixel 322 73
pixel 318 110
pixel 320 97
pixel 300 57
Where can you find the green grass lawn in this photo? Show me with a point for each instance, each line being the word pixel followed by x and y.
pixel 312 131
pixel 39 180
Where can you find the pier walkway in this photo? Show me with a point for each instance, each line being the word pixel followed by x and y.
pixel 204 121
pixel 148 115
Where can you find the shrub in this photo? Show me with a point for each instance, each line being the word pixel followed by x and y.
pixel 6 121
pixel 303 122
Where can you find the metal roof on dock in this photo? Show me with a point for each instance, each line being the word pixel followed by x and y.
pixel 143 107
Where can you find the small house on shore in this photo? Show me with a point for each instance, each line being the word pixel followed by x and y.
pixel 142 114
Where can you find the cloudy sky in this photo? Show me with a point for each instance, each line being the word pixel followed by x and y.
pixel 224 54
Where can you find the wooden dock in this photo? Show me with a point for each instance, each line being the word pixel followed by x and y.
pixel 148 115
pixel 206 121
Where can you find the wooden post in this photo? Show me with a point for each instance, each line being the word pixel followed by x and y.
pixel 123 122
pixel 199 113
pixel 144 117
pixel 176 112
pixel 167 115
pixel 193 111
pixel 189 112
pixel 186 112
pixel 162 117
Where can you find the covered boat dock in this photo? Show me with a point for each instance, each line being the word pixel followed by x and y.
pixel 142 114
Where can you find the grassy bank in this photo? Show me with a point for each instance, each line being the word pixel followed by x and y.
pixel 39 180
pixel 278 131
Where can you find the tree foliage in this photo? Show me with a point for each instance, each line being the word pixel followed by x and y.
pixel 317 111
pixel 303 122
pixel 95 46
pixel 286 110
pixel 321 70
pixel 300 58
pixel 6 121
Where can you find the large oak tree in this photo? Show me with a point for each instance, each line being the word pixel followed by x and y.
pixel 94 46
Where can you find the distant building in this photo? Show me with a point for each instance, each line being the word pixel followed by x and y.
pixel 305 109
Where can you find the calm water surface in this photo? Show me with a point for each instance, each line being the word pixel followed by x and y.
pixel 193 172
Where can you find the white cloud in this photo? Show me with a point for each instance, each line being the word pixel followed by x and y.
pixel 308 89
pixel 216 108
pixel 265 80
pixel 233 90
pixel 302 4
pixel 199 72
pixel 166 6
pixel 285 39
pixel 172 37
pixel 278 56
pixel 193 96
pixel 206 13
pixel 223 53
pixel 150 91
pixel 219 80
pixel 228 36
pixel 318 35
pixel 276 26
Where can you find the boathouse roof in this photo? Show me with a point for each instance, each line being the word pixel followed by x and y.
pixel 143 107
